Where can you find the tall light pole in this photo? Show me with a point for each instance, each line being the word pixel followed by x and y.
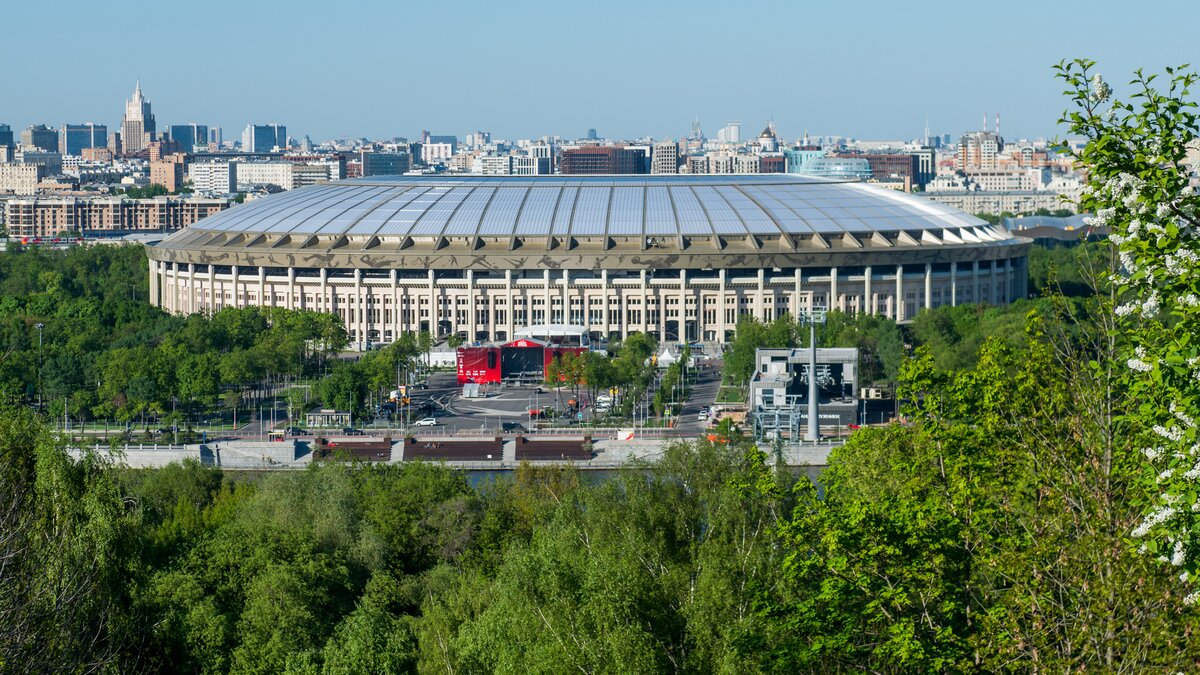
pixel 39 327
pixel 812 316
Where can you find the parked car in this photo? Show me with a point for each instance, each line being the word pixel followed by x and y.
pixel 516 427
pixel 351 431
pixel 425 422
pixel 703 416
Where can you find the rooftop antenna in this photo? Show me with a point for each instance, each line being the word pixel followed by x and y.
pixel 985 121
pixel 997 125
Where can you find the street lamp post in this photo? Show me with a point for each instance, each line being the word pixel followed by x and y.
pixel 813 317
pixel 39 327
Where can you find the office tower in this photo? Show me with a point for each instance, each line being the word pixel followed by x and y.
pixel 592 135
pixel 730 133
pixel 137 127
pixel 264 137
pixel 6 135
pixel 73 139
pixel 383 163
pixel 40 136
pixel 188 136
pixel 215 136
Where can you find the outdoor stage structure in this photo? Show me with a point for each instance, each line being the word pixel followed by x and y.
pixel 678 257
pixel 522 361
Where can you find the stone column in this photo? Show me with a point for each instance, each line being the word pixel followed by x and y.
pixel 192 301
pixel 323 305
pixel 433 308
pixel 928 286
pixel 993 292
pixel 154 284
pixel 470 305
pixel 721 305
pixel 683 308
pixel 759 300
pixel 212 290
pixel 360 319
pixel 291 298
pixel 868 299
pixel 644 324
pixel 509 317
pixel 954 284
pixel 899 303
pixel 395 304
pixel 234 273
pixel 975 282
pixel 605 318
pixel 835 300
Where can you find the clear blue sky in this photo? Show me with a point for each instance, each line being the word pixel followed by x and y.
pixel 626 67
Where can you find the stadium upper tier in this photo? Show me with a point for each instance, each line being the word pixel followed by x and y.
pixel 582 214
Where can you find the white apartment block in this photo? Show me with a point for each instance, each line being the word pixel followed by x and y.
pixel 214 177
pixel 20 179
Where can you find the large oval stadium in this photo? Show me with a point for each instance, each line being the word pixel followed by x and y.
pixel 680 257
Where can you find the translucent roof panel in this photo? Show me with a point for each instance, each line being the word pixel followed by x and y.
pixel 591 212
pixel 692 218
pixel 565 210
pixel 660 213
pixel 757 221
pixel 400 222
pixel 466 219
pixel 724 219
pixel 436 216
pixel 311 220
pixel 501 214
pixel 371 221
pixel 275 217
pixel 787 218
pixel 334 219
pixel 345 221
pixel 537 213
pixel 257 210
pixel 625 215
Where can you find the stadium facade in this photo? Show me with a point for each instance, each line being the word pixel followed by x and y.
pixel 680 257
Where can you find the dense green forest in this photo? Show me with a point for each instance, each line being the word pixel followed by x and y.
pixel 987 534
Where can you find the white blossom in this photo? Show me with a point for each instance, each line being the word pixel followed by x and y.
pixel 1178 555
pixel 1191 598
pixel 1182 416
pixel 1158 517
pixel 1152 453
pixel 1100 89
pixel 1173 434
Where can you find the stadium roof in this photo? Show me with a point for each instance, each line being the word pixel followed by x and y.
pixel 616 206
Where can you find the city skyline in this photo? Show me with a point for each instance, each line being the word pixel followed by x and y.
pixel 440 75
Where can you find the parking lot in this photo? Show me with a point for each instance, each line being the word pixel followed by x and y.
pixel 505 408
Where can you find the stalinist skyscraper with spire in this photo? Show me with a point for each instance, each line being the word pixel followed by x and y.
pixel 137 128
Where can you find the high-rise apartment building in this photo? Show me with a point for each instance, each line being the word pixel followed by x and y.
pixel 218 178
pixel 264 137
pixel 188 136
pixel 666 157
pixel 137 127
pixel 40 136
pixel 73 139
pixel 977 151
